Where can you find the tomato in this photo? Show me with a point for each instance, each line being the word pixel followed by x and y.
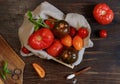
pixel 41 39
pixel 50 23
pixel 83 32
pixel 25 50
pixel 67 40
pixel 55 49
pixel 72 31
pixel 61 29
pixel 103 14
pixel 103 33
pixel 69 55
pixel 77 42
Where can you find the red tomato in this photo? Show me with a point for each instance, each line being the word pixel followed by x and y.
pixel 41 39
pixel 103 33
pixel 83 32
pixel 103 14
pixel 55 49
pixel 72 31
pixel 50 23
pixel 25 50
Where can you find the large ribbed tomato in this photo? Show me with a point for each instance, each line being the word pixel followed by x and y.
pixel 103 14
pixel 41 39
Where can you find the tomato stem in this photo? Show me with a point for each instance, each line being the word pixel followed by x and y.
pixel 37 22
pixel 103 12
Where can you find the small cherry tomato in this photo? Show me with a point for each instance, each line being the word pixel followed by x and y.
pixel 67 40
pixel 77 42
pixel 25 50
pixel 55 49
pixel 103 33
pixel 50 23
pixel 72 31
pixel 103 14
pixel 83 32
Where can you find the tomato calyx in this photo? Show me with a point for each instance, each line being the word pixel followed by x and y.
pixel 39 38
pixel 103 12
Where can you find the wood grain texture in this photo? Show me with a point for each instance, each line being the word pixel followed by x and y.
pixel 104 57
pixel 14 62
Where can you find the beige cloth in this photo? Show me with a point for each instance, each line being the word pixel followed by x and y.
pixel 45 10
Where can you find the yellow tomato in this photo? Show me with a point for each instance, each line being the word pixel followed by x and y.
pixel 77 42
pixel 67 41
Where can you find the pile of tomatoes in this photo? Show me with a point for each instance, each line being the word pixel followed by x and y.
pixel 62 41
pixel 104 15
pixel 59 40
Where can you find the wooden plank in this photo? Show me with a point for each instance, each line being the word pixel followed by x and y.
pixel 14 61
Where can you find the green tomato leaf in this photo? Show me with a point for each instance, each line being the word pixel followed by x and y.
pixel 4 71
pixel 7 71
pixel 29 14
pixel 37 22
pixel 32 21
pixel 36 27
pixel 3 76
pixel 5 66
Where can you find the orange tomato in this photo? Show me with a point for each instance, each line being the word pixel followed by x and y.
pixel 67 40
pixel 77 42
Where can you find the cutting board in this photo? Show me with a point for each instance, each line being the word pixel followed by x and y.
pixel 14 61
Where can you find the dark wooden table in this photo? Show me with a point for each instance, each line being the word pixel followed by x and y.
pixel 104 57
